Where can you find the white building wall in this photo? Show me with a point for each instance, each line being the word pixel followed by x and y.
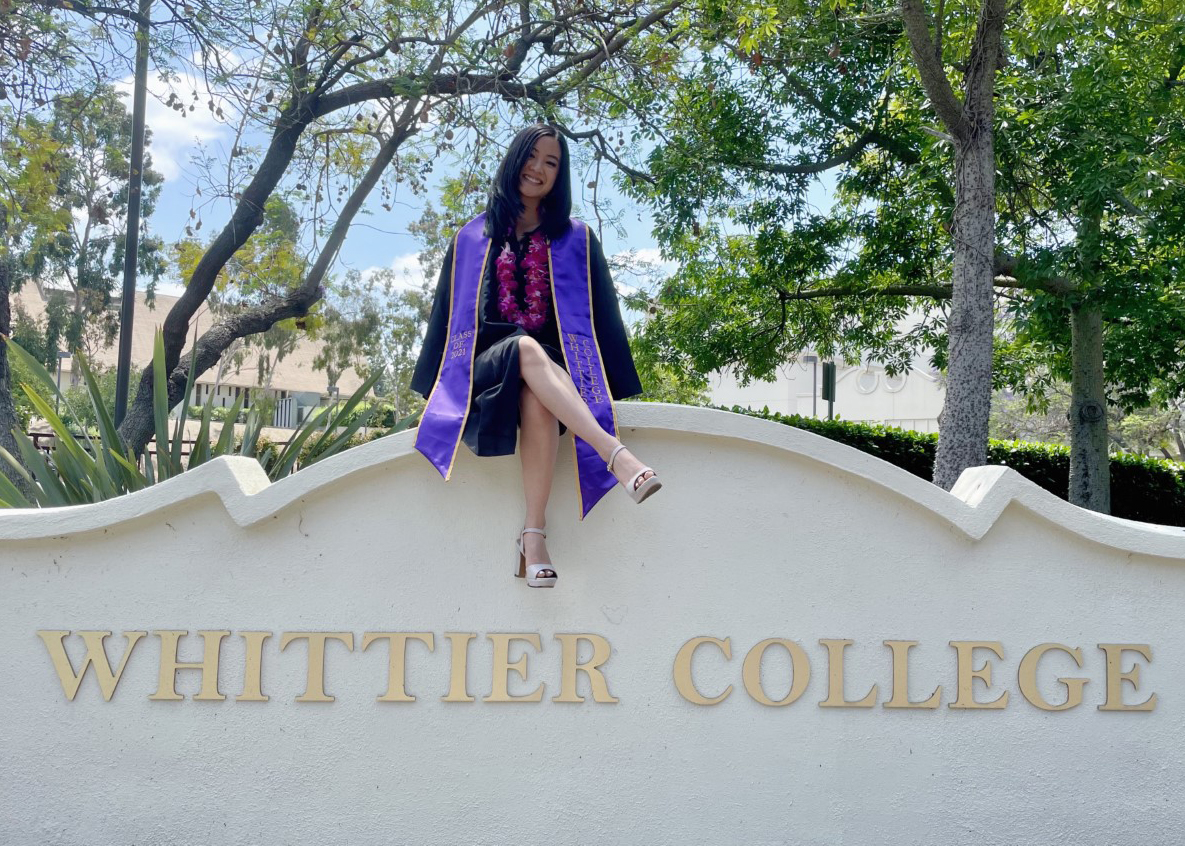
pixel 865 393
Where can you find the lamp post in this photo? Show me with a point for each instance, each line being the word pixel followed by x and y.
pixel 132 240
pixel 813 361
pixel 57 402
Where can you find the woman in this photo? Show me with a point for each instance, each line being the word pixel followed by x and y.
pixel 516 280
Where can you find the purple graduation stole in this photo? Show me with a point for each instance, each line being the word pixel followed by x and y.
pixel 443 420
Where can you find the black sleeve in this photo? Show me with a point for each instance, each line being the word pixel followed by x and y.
pixel 435 338
pixel 611 338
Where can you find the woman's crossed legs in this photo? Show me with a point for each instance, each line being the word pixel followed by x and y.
pixel 548 395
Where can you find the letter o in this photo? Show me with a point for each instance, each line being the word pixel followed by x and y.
pixel 800 664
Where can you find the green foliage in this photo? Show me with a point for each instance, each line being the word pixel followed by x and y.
pixel 92 133
pixel 33 339
pixel 1090 143
pixel 20 373
pixel 665 379
pixel 78 409
pixel 221 414
pixel 734 191
pixel 85 467
pixel 1143 431
pixel 1146 489
pixel 375 324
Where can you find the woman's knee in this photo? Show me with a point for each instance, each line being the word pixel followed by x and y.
pixel 530 351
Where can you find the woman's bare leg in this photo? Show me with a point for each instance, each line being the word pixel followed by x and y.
pixel 553 388
pixel 538 439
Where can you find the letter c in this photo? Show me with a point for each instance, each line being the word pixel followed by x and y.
pixel 682 670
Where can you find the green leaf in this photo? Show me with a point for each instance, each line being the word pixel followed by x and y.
pixel 32 364
pixel 327 443
pixel 160 407
pixel 48 488
pixel 10 494
pixel 226 438
pixel 179 432
pixel 200 453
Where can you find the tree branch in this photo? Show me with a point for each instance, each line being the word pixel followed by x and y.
pixel 90 10
pixel 596 57
pixel 938 88
pixel 938 292
pixel 413 87
pixel 1005 266
pixel 985 57
pixel 843 157
pixel 605 149
pixel 210 347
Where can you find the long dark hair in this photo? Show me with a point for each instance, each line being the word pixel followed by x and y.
pixel 505 205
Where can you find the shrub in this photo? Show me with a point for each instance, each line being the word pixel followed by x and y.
pixel 1148 489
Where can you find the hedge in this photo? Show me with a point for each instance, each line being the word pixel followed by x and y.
pixel 1148 489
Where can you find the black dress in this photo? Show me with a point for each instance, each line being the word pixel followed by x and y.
pixel 492 426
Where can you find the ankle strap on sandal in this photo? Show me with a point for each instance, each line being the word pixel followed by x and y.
pixel 613 455
pixel 534 531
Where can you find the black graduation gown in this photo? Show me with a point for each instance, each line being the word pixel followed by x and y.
pixel 492 426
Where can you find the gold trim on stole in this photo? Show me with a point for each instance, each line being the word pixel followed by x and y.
pixel 592 321
pixel 452 289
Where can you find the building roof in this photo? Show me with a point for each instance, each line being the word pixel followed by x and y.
pixel 294 373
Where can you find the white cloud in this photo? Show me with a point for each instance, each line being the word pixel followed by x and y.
pixel 650 257
pixel 408 274
pixel 638 269
pixel 175 134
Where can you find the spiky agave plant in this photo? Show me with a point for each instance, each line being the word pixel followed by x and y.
pixel 93 467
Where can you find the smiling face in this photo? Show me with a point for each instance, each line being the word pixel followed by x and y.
pixel 539 173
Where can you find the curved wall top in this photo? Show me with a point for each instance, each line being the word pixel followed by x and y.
pixel 792 642
pixel 973 507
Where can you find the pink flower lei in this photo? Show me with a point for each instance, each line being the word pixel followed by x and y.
pixel 538 287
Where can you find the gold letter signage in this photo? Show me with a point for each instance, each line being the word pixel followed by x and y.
pixel 969 669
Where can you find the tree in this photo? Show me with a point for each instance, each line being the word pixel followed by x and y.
pixel 832 81
pixel 347 333
pixel 401 315
pixel 1146 431
pixel 44 55
pixel 1088 265
pixel 873 275
pixel 28 173
pixel 93 132
pixel 362 82
pixel 1093 126
pixel 270 266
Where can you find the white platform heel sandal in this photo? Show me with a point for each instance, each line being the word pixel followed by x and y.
pixel 638 490
pixel 537 575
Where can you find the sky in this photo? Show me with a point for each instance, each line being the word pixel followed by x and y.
pixel 380 239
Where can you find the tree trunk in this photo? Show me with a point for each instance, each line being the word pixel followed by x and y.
pixel 1090 470
pixel 963 432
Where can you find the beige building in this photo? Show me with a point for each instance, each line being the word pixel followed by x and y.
pixel 293 384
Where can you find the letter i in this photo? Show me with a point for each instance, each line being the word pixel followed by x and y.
pixel 253 667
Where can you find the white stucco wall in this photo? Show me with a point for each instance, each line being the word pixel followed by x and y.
pixel 761 531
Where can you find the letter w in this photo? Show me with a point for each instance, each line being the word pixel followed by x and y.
pixel 95 654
